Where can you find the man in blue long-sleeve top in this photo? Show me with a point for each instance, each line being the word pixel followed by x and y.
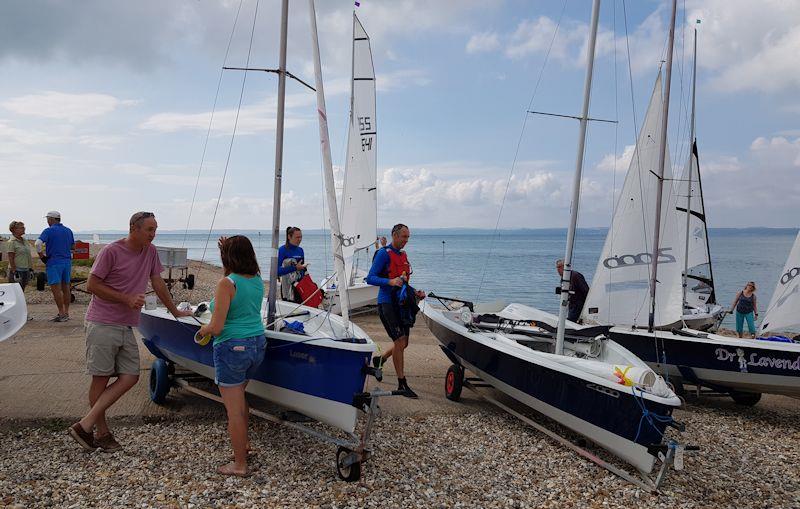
pixel 391 271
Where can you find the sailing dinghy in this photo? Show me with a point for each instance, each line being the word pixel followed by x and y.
pixel 783 312
pixel 316 363
pixel 359 205
pixel 13 310
pixel 624 277
pixel 570 373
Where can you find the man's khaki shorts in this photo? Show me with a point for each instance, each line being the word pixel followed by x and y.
pixel 111 350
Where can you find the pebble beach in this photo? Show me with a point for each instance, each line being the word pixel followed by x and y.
pixel 427 453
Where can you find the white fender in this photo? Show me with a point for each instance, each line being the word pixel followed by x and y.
pixel 13 311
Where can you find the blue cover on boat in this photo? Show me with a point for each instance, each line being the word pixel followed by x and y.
pixel 779 339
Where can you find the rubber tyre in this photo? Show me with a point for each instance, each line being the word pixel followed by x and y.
pixel 72 297
pixel 41 281
pixel 746 398
pixel 351 473
pixel 190 281
pixel 160 381
pixel 454 382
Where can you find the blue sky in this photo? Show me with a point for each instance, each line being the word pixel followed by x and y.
pixel 105 105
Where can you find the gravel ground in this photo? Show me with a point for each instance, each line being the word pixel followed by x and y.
pixel 749 458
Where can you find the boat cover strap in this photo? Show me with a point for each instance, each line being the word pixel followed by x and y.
pixel 584 332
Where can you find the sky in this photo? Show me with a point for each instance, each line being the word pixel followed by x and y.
pixel 106 108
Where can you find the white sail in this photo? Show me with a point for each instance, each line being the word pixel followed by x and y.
pixel 619 293
pixel 325 147
pixel 359 198
pixel 783 312
pixel 699 280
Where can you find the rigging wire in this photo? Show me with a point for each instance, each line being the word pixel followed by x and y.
pixel 233 134
pixel 516 152
pixel 211 122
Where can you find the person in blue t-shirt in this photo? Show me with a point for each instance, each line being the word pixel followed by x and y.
pixel 291 263
pixel 391 271
pixel 57 255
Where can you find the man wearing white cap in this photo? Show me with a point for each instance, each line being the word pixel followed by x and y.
pixel 57 255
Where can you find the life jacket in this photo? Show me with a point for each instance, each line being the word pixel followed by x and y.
pixel 398 265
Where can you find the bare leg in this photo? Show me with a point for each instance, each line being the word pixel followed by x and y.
pixel 237 409
pixel 399 348
pixel 388 352
pixel 99 384
pixel 58 297
pixel 66 296
pixel 108 397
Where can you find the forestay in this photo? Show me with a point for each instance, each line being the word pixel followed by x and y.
pixel 359 197
pixel 783 311
pixel 700 283
pixel 619 294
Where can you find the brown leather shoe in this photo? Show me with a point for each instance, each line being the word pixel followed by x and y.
pixel 84 438
pixel 107 443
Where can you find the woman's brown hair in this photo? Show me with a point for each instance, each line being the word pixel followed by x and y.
pixel 238 256
pixel 289 232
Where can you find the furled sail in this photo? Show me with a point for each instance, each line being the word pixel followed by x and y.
pixel 783 312
pixel 699 278
pixel 359 197
pixel 619 294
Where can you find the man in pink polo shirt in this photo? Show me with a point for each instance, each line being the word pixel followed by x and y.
pixel 118 282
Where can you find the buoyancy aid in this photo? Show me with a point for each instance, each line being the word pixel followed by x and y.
pixel 398 265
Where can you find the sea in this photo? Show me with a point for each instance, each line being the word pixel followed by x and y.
pixel 515 265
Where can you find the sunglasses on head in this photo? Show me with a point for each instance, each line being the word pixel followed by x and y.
pixel 140 216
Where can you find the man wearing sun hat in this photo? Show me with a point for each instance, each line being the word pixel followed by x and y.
pixel 57 255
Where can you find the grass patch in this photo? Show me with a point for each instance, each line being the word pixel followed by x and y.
pixel 83 263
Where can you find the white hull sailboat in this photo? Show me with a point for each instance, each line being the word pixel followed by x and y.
pixel 568 372
pixel 359 220
pixel 625 282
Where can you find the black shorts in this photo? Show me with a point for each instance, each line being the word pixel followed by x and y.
pixel 390 317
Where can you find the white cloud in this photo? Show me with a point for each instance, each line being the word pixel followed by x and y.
pixel 61 106
pixel 750 45
pixel 403 78
pixel 483 43
pixel 611 163
pixel 252 119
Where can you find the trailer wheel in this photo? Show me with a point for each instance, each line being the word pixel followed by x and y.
pixel 350 473
pixel 190 281
pixel 746 398
pixel 41 281
pixel 454 382
pixel 160 381
pixel 72 297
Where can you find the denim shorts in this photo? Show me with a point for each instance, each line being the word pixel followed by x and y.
pixel 59 272
pixel 236 360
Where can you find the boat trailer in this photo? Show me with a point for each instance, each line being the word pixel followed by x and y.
pixel 351 452
pixel 670 454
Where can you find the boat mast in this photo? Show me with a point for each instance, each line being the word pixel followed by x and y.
pixel 576 184
pixel 689 183
pixel 276 193
pixel 330 190
pixel 660 175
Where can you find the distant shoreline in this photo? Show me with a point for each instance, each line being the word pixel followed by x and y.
pixel 449 231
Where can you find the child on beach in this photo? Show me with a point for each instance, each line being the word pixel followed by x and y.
pixel 239 342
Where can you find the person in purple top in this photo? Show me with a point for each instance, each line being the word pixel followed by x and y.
pixel 55 245
pixel 118 282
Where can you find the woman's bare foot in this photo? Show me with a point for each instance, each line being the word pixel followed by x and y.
pixel 233 469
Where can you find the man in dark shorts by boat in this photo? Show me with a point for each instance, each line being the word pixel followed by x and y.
pixel 391 271
pixel 580 289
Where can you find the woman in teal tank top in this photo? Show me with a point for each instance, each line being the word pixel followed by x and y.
pixel 239 342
